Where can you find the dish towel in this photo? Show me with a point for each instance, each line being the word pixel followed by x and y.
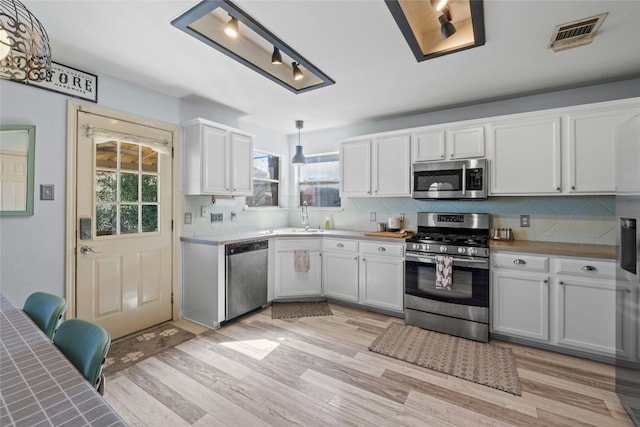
pixel 301 260
pixel 444 267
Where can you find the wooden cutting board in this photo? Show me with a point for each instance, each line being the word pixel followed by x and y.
pixel 394 234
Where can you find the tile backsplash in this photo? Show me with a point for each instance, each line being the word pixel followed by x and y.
pixel 574 219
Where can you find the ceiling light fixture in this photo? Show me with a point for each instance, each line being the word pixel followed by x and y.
pixel 426 25
pixel 25 55
pixel 231 27
pixel 254 47
pixel 297 73
pixel 298 158
pixel 276 56
pixel 447 29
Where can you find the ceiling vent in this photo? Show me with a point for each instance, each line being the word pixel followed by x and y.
pixel 576 33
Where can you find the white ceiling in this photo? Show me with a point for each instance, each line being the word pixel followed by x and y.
pixel 356 42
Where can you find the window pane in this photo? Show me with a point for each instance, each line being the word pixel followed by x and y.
pixel 106 186
pixel 129 187
pixel 325 195
pixel 266 166
pixel 129 156
pixel 107 155
pixel 264 194
pixel 149 218
pixel 128 219
pixel 106 220
pixel 149 188
pixel 320 168
pixel 149 160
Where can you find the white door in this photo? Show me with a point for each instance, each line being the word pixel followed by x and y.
pixel 123 218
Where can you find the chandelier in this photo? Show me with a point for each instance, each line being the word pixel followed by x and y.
pixel 25 55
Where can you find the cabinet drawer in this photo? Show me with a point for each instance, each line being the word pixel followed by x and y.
pixel 339 245
pixel 293 244
pixel 586 268
pixel 524 262
pixel 382 249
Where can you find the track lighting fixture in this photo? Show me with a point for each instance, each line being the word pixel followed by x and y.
pixel 231 28
pixel 298 158
pixel 438 5
pixel 297 73
pixel 276 56
pixel 447 29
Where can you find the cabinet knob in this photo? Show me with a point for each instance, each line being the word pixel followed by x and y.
pixel 355 257
pixel 519 261
pixel 573 187
pixel 589 268
pixel 364 259
pixel 381 249
pixel 628 290
pixel 545 281
pixel 340 245
pixel 561 282
pixel 557 188
pixel 442 156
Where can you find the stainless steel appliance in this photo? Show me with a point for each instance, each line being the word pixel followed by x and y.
pixel 628 258
pixel 246 284
pixel 462 310
pixel 458 179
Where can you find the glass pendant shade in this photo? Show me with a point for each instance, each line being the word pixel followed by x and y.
pixel 25 54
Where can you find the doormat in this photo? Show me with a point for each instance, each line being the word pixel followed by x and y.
pixel 482 363
pixel 135 348
pixel 288 310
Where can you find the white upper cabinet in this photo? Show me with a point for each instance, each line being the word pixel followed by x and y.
pixel 525 157
pixel 218 159
pixel 591 150
pixel 379 167
pixel 441 144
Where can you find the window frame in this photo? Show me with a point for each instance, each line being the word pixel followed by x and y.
pixel 336 181
pixel 268 180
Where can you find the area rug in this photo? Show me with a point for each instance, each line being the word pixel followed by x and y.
pixel 481 363
pixel 287 310
pixel 135 348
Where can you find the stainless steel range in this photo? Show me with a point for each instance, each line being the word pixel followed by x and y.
pixel 447 274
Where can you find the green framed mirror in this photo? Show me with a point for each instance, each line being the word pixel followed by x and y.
pixel 17 152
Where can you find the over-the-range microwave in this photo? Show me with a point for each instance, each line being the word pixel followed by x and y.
pixel 457 179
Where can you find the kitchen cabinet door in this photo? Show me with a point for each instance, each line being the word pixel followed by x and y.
pixel 355 168
pixel 591 316
pixel 428 146
pixel 465 143
pixel 526 157
pixel 292 283
pixel 241 172
pixel 520 304
pixel 340 275
pixel 392 166
pixel 591 150
pixel 382 275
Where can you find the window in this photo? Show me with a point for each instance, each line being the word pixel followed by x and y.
pixel 320 181
pixel 266 180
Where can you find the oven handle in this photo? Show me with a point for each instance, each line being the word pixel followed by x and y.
pixel 464 179
pixel 481 263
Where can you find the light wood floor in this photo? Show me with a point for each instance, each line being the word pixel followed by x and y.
pixel 318 371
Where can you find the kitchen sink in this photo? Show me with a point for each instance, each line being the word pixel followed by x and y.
pixel 302 230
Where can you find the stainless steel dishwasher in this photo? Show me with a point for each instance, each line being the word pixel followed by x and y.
pixel 246 287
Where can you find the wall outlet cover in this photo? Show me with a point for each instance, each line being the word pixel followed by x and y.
pixel 187 218
pixel 372 216
pixel 46 191
pixel 525 221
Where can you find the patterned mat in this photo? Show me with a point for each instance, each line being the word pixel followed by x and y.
pixel 129 351
pixel 286 310
pixel 481 363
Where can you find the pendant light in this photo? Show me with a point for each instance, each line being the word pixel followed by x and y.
pixel 25 54
pixel 298 158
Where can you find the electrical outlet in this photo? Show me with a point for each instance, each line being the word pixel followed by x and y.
pixel 372 216
pixel 234 217
pixel 216 217
pixel 203 211
pixel 525 221
pixel 187 218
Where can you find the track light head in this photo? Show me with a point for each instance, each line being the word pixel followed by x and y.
pixel 231 27
pixel 297 73
pixel 446 27
pixel 276 56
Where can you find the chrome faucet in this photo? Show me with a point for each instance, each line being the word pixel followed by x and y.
pixel 305 215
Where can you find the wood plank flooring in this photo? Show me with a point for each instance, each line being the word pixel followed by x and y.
pixel 318 371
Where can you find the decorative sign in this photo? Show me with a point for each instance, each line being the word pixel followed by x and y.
pixel 70 81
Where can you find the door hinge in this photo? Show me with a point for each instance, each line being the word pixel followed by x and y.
pixel 172 152
pixel 171 297
pixel 171 225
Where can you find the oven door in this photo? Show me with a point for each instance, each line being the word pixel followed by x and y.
pixel 470 280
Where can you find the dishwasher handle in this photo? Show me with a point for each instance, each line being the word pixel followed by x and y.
pixel 243 247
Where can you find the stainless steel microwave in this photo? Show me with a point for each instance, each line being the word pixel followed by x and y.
pixel 457 179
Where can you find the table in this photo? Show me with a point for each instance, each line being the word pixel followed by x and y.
pixel 38 385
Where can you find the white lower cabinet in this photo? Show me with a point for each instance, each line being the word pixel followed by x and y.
pixel 340 269
pixel 382 275
pixel 292 283
pixel 570 303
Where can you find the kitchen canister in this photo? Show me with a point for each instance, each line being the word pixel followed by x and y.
pixel 394 223
pixel 381 226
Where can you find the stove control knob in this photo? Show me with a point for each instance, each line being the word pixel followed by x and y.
pixel 473 251
pixel 415 246
pixel 462 250
pixel 425 247
pixel 443 249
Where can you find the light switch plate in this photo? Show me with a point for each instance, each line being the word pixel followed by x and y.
pixel 187 218
pixel 372 216
pixel 46 191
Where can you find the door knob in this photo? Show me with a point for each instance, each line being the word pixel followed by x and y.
pixel 86 249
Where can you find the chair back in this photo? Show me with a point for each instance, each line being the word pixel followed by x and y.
pixel 85 344
pixel 46 311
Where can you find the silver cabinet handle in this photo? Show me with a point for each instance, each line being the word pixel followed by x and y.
pixel 381 249
pixel 519 261
pixel 86 249
pixel 589 268
pixel 340 245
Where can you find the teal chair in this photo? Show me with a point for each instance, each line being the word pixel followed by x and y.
pixel 45 310
pixel 85 344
